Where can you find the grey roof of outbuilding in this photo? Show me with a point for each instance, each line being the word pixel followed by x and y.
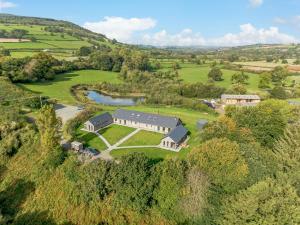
pixel 177 133
pixel 201 123
pixel 100 118
pixel 147 118
pixel 254 97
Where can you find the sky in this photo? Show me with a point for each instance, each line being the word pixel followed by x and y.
pixel 175 22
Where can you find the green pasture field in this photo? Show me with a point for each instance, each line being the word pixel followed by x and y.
pixel 192 73
pixel 59 88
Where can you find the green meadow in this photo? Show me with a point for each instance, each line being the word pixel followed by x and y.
pixel 59 88
pixel 192 73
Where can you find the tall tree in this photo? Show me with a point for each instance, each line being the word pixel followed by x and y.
pixel 222 161
pixel 215 73
pixel 267 202
pixel 49 127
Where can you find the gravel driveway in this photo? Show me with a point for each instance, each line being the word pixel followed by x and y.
pixel 66 112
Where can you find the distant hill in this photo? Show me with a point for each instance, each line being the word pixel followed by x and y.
pixel 24 36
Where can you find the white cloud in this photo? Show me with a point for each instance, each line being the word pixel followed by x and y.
pixel 256 3
pixel 248 35
pixel 120 28
pixel 251 35
pixel 184 38
pixel 293 22
pixel 5 5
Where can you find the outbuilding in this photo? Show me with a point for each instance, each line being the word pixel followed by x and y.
pixel 201 124
pixel 175 138
pixel 77 146
pixel 96 123
pixel 240 99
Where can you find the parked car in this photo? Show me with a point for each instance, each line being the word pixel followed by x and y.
pixel 210 104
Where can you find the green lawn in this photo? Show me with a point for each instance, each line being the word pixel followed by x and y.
pixel 114 133
pixel 90 140
pixel 60 87
pixel 144 138
pixel 154 153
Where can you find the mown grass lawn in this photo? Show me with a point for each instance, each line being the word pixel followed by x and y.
pixel 59 88
pixel 144 138
pixel 90 140
pixel 154 153
pixel 114 133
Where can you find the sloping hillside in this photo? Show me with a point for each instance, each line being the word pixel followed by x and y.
pixel 24 36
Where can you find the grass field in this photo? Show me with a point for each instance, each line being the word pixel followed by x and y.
pixel 144 138
pixel 114 133
pixel 59 88
pixel 90 139
pixel 192 73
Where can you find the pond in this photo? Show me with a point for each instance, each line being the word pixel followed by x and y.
pixel 110 100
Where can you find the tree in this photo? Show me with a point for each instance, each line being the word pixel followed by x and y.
pixel 226 127
pixel 84 51
pixel 195 200
pixel 269 59
pixel 176 66
pixel 279 74
pixel 265 80
pixel 297 62
pixel 239 89
pixel 215 74
pixel 239 78
pixel 287 148
pixel 267 202
pixel 266 121
pixel 284 61
pixel 169 191
pixel 132 182
pixel 279 93
pixel 49 128
pixel 222 161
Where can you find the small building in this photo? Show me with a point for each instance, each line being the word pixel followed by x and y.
pixel 201 124
pixel 246 100
pixel 294 103
pixel 98 122
pixel 77 146
pixel 175 138
pixel 146 121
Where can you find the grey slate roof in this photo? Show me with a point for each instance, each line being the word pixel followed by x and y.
pixel 97 120
pixel 253 97
pixel 201 123
pixel 147 118
pixel 177 134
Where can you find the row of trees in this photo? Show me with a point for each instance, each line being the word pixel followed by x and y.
pixel 15 33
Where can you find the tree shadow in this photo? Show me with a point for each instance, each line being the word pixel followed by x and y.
pixel 14 196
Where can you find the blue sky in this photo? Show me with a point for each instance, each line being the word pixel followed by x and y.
pixel 177 22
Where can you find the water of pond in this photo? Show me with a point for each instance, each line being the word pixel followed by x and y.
pixel 110 100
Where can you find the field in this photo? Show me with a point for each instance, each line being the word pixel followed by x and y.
pixel 192 73
pixel 114 133
pixel 144 138
pixel 59 88
pixel 54 43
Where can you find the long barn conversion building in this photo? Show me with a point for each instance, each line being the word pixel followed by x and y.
pixel 175 133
